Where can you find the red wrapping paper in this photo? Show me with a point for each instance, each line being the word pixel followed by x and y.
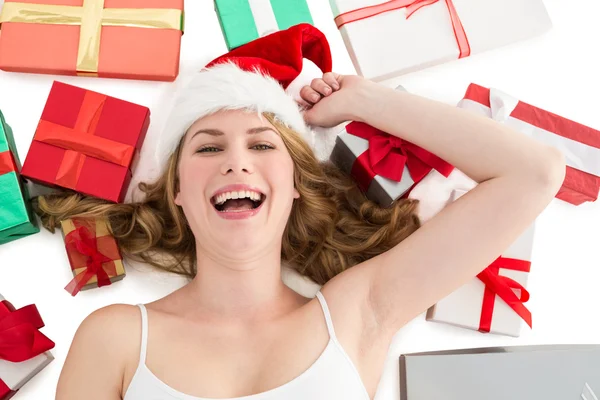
pixel 86 142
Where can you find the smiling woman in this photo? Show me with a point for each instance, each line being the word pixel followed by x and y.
pixel 331 224
pixel 236 331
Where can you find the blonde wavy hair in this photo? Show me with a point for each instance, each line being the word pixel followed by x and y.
pixel 331 227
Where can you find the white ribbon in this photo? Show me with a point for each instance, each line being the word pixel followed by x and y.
pixel 264 17
pixel 588 394
pixel 577 155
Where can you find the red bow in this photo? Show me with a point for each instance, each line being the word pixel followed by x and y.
pixel 85 242
pixel 502 286
pixel 388 155
pixel 411 6
pixel 20 339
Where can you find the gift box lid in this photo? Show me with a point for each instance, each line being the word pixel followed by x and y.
pixel 518 373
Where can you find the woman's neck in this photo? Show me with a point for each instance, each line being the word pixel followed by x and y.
pixel 251 291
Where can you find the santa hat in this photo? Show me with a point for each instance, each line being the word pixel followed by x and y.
pixel 264 75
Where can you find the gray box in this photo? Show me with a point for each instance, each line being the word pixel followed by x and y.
pixel 557 372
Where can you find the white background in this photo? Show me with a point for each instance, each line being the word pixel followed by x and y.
pixel 558 72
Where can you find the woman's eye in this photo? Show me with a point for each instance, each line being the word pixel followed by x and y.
pixel 263 147
pixel 207 149
pixel 213 149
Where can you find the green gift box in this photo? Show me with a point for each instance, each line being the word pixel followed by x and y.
pixel 16 217
pixel 243 21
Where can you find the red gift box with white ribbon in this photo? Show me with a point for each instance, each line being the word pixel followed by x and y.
pixel 579 143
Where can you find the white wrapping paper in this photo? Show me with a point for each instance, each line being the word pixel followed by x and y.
pixel 434 192
pixel 15 375
pixel 388 44
pixel 463 307
pixel 264 17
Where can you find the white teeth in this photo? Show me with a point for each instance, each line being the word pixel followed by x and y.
pixel 242 194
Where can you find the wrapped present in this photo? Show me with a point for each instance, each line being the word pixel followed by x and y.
pixel 243 21
pixel 384 166
pixel 579 144
pixel 16 217
pixel 130 39
pixel 434 192
pixel 548 372
pixel 93 254
pixel 24 350
pixel 86 142
pixel 494 301
pixel 390 38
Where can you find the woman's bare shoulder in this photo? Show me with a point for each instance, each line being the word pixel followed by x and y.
pixel 112 320
pixel 105 346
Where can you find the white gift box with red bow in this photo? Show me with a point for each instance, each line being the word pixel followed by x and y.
pixel 390 38
pixel 13 375
pixel 493 301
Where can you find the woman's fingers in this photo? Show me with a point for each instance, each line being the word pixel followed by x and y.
pixel 321 87
pixel 331 79
pixel 309 95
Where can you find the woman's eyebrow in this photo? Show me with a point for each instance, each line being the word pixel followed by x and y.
pixel 260 129
pixel 216 132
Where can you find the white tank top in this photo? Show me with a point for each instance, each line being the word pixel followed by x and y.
pixel 332 376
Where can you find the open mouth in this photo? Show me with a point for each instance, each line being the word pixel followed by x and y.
pixel 237 201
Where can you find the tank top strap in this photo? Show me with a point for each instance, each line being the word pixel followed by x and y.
pixel 327 315
pixel 144 340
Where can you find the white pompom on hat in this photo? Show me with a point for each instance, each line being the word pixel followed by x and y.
pixel 254 77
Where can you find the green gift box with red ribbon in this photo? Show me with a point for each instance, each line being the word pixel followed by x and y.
pixel 384 166
pixel 16 217
pixel 87 142
pixel 24 350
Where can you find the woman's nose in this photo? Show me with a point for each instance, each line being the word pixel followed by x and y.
pixel 237 161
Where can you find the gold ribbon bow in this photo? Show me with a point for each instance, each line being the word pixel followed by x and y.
pixel 92 16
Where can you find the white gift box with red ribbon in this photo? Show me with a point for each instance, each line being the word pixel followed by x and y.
pixel 579 144
pixel 493 301
pixel 390 38
pixel 13 375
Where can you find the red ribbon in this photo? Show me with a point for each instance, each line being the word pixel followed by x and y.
pixel 411 6
pixel 7 163
pixel 388 155
pixel 6 393
pixel 98 260
pixel 80 141
pixel 502 286
pixel 20 339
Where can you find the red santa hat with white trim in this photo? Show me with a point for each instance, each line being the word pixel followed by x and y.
pixel 264 75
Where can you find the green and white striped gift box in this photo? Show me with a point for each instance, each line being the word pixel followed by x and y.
pixel 245 20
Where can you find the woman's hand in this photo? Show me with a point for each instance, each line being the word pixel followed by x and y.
pixel 332 99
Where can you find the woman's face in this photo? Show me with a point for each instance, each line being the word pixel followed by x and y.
pixel 236 184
